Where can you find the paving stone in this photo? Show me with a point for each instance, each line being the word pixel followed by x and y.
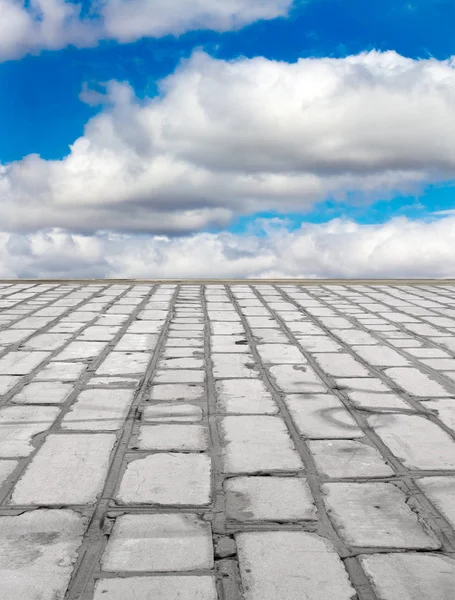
pixel 340 365
pixel 321 416
pixel 172 411
pixel 297 379
pixel 47 341
pixel 21 363
pixel 32 323
pixel 291 565
pixel 66 328
pixel 306 328
pixel 355 336
pixel 182 352
pixel 142 327
pixel 223 315
pixel 179 333
pixel 177 391
pixel 163 588
pixel 99 410
pixel 233 365
pixel 318 343
pixel 252 499
pixel 159 542
pixel 38 550
pixel 113 382
pixel 18 426
pixel 49 392
pixel 81 351
pixel 269 336
pixel 381 356
pixel 179 376
pixel 229 343
pixel 371 394
pixel 405 343
pixel 257 443
pixel 440 364
pixel 13 336
pixel 173 437
pixel 61 371
pixel 375 515
pixel 68 469
pixel 181 363
pixel 348 458
pixel 444 409
pixel 220 328
pixel 244 396
pixel 98 333
pixel 167 479
pixel 281 354
pixel 137 342
pixel 7 382
pixel 6 468
pixel 176 342
pixel 417 383
pixel 126 363
pixel 416 441
pixel 441 491
pixel 410 576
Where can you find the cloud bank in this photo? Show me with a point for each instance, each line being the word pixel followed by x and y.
pixel 399 248
pixel 230 138
pixel 53 24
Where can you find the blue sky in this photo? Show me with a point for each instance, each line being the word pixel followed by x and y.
pixel 42 112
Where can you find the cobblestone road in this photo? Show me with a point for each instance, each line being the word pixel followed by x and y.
pixel 204 442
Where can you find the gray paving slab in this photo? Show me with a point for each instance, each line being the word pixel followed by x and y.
pixel 243 440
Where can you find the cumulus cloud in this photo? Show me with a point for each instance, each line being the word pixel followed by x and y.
pixel 228 138
pixel 52 24
pixel 399 248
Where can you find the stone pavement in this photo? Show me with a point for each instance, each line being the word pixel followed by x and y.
pixel 203 442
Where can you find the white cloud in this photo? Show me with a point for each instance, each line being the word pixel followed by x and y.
pixel 230 138
pixel 399 248
pixel 53 24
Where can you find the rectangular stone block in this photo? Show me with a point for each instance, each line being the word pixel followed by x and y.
pixel 47 341
pixel 244 396
pixel 46 392
pixel 81 351
pixel 180 412
pixel 18 426
pixel 250 499
pixel 441 492
pixel 348 458
pixel 61 371
pixel 340 365
pixel 163 587
pixel 21 363
pixel 416 441
pixel 125 363
pixel 68 469
pixel 281 354
pixel 99 410
pixel 257 443
pixel 291 565
pixel 167 479
pixel 182 438
pixel 376 515
pixel 159 542
pixel 321 417
pixel 297 379
pixel 410 576
pixel 38 553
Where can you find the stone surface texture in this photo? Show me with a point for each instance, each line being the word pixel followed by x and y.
pixel 266 440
